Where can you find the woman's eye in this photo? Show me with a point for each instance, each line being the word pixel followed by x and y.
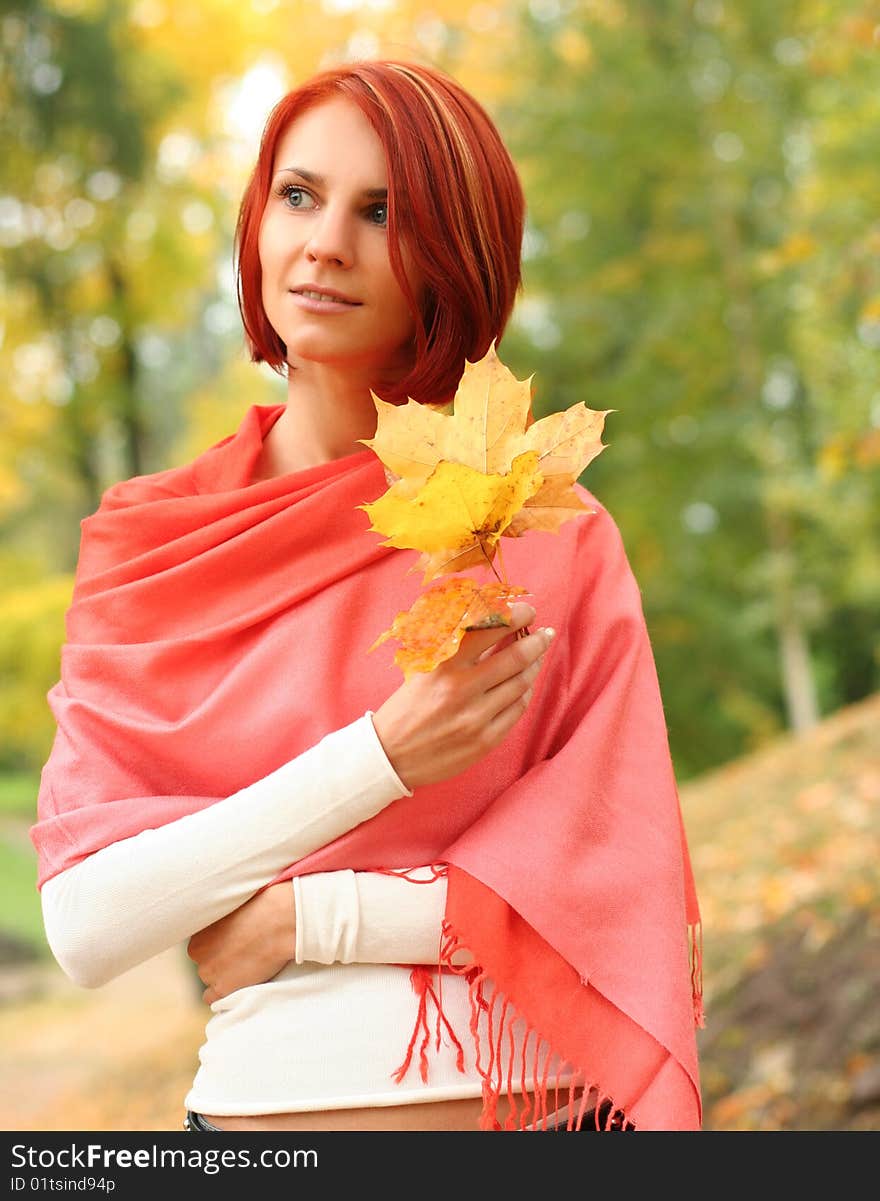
pixel 296 197
pixel 379 214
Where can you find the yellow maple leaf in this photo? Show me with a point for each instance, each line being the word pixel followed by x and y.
pixel 459 481
pixel 432 629
pixel 456 517
pixel 491 409
pixel 555 502
pixel 567 442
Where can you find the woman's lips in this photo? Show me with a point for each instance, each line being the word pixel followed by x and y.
pixel 315 301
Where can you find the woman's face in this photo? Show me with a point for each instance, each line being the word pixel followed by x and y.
pixel 328 288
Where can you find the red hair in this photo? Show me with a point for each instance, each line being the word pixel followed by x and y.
pixel 453 194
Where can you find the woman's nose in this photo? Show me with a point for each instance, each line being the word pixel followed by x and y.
pixel 330 238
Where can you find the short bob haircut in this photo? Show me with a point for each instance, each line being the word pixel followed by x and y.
pixel 454 195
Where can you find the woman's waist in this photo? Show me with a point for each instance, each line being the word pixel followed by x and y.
pixel 336 1037
pixel 319 1025
pixel 512 1112
pixel 459 1114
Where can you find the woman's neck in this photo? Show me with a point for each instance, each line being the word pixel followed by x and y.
pixel 327 413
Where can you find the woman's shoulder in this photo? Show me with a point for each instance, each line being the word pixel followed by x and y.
pixel 572 556
pixel 594 528
pixel 219 467
pixel 596 561
pixel 170 482
pixel 135 515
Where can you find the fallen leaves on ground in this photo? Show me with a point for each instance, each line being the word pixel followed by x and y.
pixel 784 845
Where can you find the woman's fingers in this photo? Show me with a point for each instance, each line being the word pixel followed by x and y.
pixel 439 723
pixel 499 726
pixel 477 642
pixel 514 659
pixel 511 692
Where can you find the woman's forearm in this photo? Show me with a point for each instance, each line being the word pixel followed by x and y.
pixel 137 897
pixel 369 917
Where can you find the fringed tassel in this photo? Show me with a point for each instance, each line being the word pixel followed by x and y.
pixel 512 1105
pixel 438 871
pixel 488 1118
pixel 569 1125
pixel 696 956
pixel 556 1087
pixel 489 1051
pixel 529 1100
pixel 582 1108
pixel 423 987
pixel 420 980
pixel 543 1090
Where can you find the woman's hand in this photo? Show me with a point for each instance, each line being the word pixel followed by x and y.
pixel 248 946
pixel 440 722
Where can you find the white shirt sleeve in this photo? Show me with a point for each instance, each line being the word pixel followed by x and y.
pixel 135 898
pixel 368 917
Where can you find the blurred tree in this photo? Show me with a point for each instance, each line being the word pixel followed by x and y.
pixel 679 258
pixel 31 630
pixel 101 260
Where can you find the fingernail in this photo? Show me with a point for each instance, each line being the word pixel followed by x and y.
pixel 550 632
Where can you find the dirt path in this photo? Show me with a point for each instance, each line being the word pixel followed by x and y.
pixel 121 1057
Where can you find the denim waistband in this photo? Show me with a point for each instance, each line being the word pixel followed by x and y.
pixel 195 1123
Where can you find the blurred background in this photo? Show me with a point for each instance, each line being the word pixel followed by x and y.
pixel 702 256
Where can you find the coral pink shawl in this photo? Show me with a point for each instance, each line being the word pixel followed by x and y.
pixel 220 627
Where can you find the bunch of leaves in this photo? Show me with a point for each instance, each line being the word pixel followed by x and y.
pixel 458 483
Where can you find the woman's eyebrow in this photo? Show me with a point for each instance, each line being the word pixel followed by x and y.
pixel 319 181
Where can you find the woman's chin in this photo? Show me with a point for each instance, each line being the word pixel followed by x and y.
pixel 383 366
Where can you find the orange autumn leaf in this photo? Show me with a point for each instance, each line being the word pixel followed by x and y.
pixel 432 629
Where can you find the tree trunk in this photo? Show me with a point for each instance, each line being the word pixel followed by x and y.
pixel 798 681
pixel 129 409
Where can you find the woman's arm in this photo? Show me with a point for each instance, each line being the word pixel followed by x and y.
pixel 326 917
pixel 140 896
pixel 369 917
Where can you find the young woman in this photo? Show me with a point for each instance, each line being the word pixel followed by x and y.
pixel 487 925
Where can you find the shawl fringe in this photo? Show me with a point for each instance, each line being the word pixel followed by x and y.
pixel 695 949
pixel 495 1063
pixel 501 1015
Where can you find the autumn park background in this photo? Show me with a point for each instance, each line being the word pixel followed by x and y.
pixel 702 257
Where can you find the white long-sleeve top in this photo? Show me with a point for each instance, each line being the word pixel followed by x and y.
pixel 331 1028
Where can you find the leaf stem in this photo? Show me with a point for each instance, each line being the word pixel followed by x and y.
pixel 491 564
pixel 524 631
pixel 504 579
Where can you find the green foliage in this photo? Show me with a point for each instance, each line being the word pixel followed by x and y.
pixel 703 258
pixel 19 898
pixel 18 794
pixel 31 634
pixel 107 260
